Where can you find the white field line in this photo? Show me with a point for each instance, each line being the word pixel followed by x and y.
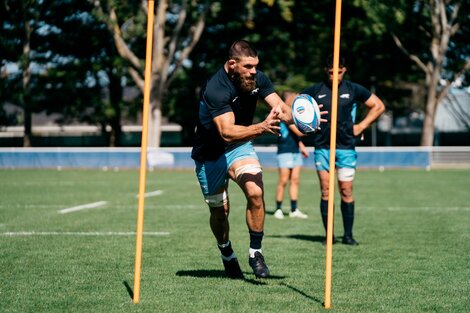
pixel 67 233
pixel 83 207
pixel 437 209
pixel 101 203
pixel 152 193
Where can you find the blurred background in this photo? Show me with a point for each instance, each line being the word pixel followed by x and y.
pixel 72 72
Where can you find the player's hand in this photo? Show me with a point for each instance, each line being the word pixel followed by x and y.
pixel 357 129
pixel 322 112
pixel 282 115
pixel 304 152
pixel 271 123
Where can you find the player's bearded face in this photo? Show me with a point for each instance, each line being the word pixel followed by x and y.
pixel 246 82
pixel 243 73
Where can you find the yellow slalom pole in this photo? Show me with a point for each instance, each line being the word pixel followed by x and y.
pixel 331 193
pixel 143 153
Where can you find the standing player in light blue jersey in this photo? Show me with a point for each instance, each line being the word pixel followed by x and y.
pixel 290 154
pixel 349 96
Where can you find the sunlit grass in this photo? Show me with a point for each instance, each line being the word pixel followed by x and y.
pixel 413 229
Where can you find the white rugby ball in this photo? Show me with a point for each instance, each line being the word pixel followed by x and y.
pixel 306 113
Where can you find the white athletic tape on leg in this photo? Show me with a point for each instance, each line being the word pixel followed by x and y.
pixel 217 200
pixel 247 169
pixel 346 174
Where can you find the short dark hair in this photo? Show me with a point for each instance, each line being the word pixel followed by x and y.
pixel 240 49
pixel 329 62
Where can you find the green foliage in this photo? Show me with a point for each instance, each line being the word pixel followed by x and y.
pixel 56 62
pixel 73 58
pixel 412 255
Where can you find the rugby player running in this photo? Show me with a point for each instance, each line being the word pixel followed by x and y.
pixel 223 149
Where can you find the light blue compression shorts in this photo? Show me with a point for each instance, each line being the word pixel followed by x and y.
pixel 343 159
pixel 289 160
pixel 212 175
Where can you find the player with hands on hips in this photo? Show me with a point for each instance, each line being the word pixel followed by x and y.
pixel 350 95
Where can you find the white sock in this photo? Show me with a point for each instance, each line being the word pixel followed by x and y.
pixel 252 252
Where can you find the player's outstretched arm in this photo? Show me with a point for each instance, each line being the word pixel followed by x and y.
pixel 275 102
pixel 230 132
pixel 285 110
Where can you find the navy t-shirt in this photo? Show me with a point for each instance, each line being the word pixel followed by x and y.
pixel 288 141
pixel 349 94
pixel 220 96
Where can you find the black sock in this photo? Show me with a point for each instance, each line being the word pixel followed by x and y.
pixel 347 210
pixel 293 205
pixel 255 240
pixel 278 205
pixel 226 249
pixel 324 212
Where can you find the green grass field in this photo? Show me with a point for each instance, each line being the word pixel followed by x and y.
pixel 413 227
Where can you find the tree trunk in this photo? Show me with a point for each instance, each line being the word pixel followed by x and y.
pixel 26 99
pixel 115 97
pixel 155 122
pixel 427 136
pixel 27 136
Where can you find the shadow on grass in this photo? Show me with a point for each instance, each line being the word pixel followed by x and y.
pixel 302 293
pixel 221 274
pixel 202 273
pixel 129 289
pixel 303 237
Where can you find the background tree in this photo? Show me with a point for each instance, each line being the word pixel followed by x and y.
pixel 177 29
pixel 83 83
pixel 295 39
pixel 57 59
pixel 82 54
pixel 20 22
pixel 433 34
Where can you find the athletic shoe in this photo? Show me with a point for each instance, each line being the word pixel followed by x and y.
pixel 259 266
pixel 334 241
pixel 350 241
pixel 298 214
pixel 232 269
pixel 279 214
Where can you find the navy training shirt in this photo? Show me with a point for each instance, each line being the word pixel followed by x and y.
pixel 220 96
pixel 288 141
pixel 349 94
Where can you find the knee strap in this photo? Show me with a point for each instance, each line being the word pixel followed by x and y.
pixel 247 169
pixel 346 174
pixel 217 200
